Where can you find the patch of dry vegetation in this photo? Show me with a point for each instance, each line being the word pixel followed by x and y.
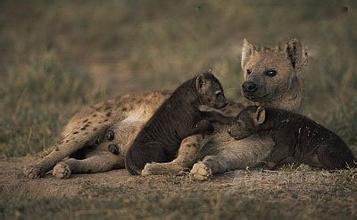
pixel 299 194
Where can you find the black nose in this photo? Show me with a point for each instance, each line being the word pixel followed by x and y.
pixel 113 148
pixel 249 87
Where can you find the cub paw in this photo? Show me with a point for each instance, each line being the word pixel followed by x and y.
pixel 161 169
pixel 147 170
pixel 62 171
pixel 205 127
pixel 33 172
pixel 200 171
pixel 152 169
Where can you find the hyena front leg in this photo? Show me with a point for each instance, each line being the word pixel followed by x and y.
pixel 99 162
pixel 69 144
pixel 232 155
pixel 186 157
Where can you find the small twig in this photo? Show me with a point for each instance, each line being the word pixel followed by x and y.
pixel 270 171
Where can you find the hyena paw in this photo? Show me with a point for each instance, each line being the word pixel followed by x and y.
pixel 200 171
pixel 33 172
pixel 61 170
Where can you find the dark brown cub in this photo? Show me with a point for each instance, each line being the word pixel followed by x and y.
pixel 178 117
pixel 298 139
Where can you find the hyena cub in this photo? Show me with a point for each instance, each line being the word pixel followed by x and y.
pixel 177 118
pixel 297 138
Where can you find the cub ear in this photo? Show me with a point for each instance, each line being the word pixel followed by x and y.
pixel 200 81
pixel 295 53
pixel 259 115
pixel 247 51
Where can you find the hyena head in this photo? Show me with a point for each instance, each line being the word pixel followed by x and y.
pixel 269 73
pixel 247 122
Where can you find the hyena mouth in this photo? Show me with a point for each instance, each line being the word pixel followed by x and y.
pixel 255 98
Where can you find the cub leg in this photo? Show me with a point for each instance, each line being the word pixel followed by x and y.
pixel 187 155
pixel 217 116
pixel 68 145
pixel 335 157
pixel 291 161
pixel 100 162
pixel 137 157
pixel 202 127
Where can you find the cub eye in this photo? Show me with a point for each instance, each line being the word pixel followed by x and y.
pixel 218 92
pixel 249 71
pixel 240 123
pixel 270 73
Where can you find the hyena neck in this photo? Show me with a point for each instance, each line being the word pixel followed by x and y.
pixel 290 100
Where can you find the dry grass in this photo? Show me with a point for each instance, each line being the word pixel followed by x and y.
pixel 285 194
pixel 56 56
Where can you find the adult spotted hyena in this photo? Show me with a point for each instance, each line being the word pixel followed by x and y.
pixel 271 78
pixel 87 142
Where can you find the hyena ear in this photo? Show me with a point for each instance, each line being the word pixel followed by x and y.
pixel 247 50
pixel 259 115
pixel 295 53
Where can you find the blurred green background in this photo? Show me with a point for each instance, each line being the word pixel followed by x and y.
pixel 56 56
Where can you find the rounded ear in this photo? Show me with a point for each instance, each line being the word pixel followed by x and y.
pixel 295 53
pixel 259 115
pixel 247 50
pixel 200 81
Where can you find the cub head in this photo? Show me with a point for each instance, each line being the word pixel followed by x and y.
pixel 210 90
pixel 270 72
pixel 247 122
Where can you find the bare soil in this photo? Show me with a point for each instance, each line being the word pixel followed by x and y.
pixel 300 193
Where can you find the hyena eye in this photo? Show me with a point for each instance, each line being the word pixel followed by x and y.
pixel 270 73
pixel 249 71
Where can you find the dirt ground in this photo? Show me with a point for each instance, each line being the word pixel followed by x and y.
pixel 243 194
